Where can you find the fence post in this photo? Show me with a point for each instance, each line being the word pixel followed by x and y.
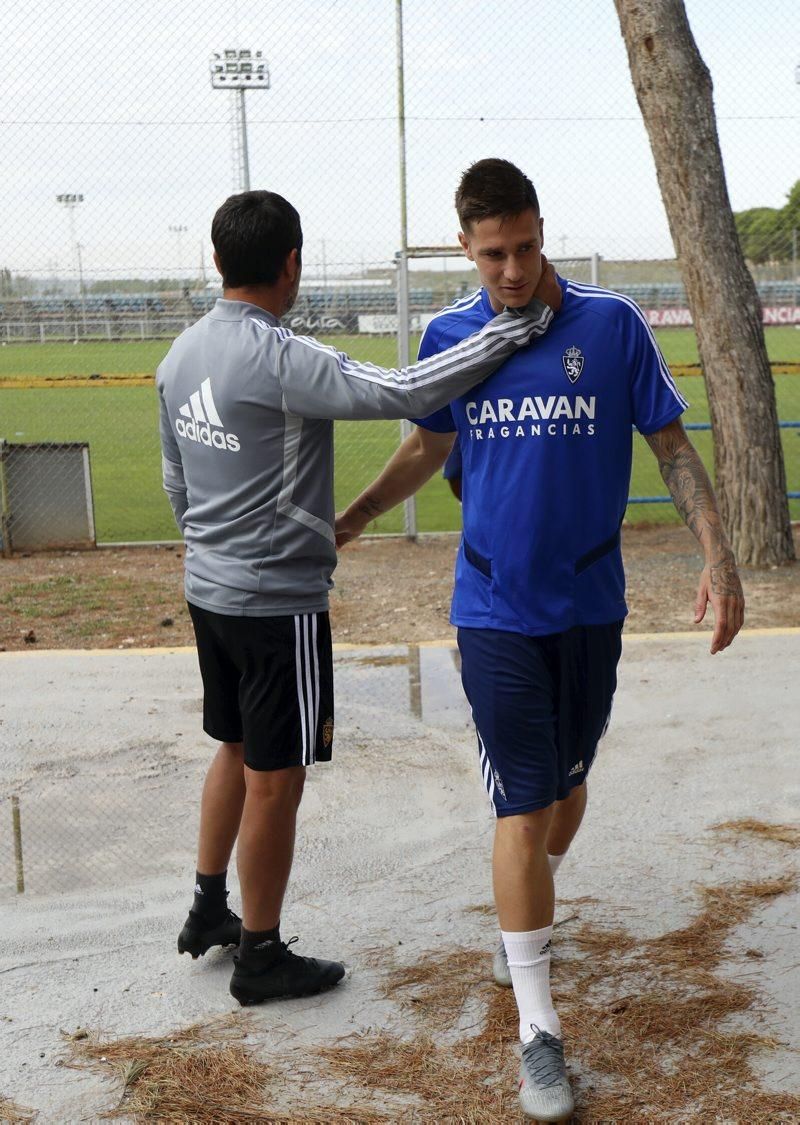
pixel 403 359
pixel 595 269
pixel 17 830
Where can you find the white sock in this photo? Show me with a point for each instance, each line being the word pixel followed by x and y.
pixel 555 862
pixel 529 963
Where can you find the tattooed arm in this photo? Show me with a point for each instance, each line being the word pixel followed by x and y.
pixel 414 463
pixel 693 496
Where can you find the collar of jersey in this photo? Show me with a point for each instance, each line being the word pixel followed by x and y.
pixel 238 310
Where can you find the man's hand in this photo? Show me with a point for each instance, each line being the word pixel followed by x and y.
pixel 349 525
pixel 720 585
pixel 413 463
pixel 548 289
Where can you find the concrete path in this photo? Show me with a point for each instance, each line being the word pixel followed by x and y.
pixel 105 756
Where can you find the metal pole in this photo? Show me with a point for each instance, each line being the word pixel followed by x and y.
pixel 203 277
pixel 415 681
pixel 17 830
pixel 245 153
pixel 595 269
pixel 78 249
pixel 403 342
pixel 795 278
pixel 401 124
pixel 5 515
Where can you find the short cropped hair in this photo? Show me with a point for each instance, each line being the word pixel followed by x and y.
pixel 494 189
pixel 253 234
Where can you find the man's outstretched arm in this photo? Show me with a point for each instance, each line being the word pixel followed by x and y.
pixel 413 464
pixel 693 495
pixel 319 382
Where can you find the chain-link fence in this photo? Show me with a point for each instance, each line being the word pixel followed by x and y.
pixel 88 804
pixel 117 160
pixel 117 150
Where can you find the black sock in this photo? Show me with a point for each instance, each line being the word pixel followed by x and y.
pixel 210 896
pixel 260 943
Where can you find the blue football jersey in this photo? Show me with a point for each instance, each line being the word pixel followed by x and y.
pixel 546 444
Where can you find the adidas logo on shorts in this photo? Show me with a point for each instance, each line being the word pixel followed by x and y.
pixel 577 768
pixel 205 425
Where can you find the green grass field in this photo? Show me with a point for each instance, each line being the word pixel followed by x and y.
pixel 120 423
pixel 141 357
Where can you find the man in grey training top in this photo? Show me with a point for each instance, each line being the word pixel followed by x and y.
pixel 247 443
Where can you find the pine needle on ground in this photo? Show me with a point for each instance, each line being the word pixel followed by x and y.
pixel 645 1023
pixel 202 1073
pixel 782 833
pixel 10 1111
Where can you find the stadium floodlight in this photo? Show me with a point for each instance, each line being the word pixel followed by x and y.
pixel 179 230
pixel 70 200
pixel 239 70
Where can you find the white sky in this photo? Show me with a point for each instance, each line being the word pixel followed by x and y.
pixel 114 101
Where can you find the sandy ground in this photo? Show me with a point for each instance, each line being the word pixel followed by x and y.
pixel 388 591
pixel 105 753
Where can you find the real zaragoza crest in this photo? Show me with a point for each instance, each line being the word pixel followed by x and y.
pixel 573 363
pixel 327 732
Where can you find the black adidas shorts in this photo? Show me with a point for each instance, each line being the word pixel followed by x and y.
pixel 268 682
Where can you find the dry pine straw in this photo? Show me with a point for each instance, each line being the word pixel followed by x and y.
pixel 781 833
pixel 642 1020
pixel 10 1111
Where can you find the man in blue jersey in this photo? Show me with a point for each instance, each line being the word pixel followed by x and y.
pixel 546 446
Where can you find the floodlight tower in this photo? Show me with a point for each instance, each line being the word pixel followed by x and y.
pixel 239 70
pixel 71 200
pixel 178 230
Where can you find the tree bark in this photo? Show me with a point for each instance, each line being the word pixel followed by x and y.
pixel 674 91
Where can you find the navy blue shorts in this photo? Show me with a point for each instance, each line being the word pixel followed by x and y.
pixel 540 705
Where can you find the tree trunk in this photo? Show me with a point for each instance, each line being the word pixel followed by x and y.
pixel 674 91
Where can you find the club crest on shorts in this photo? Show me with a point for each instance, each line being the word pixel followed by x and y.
pixel 327 732
pixel 573 363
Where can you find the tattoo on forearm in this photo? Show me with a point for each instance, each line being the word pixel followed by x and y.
pixel 687 480
pixel 693 495
pixel 369 507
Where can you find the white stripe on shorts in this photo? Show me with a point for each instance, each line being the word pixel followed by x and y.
pixel 312 730
pixel 301 700
pixel 486 770
pixel 306 656
pixel 315 707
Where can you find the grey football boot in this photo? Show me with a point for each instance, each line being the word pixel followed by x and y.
pixel 500 969
pixel 544 1090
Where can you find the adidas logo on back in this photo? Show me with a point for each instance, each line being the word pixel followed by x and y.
pixel 205 425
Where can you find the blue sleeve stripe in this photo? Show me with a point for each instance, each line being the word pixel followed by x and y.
pixel 581 290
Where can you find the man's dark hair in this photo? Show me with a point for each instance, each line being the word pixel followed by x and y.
pixel 494 189
pixel 253 234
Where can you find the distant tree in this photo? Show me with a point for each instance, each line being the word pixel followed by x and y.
pixel 760 234
pixel 766 232
pixel 790 217
pixel 674 91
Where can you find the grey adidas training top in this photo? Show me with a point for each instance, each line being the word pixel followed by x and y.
pixel 247 444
